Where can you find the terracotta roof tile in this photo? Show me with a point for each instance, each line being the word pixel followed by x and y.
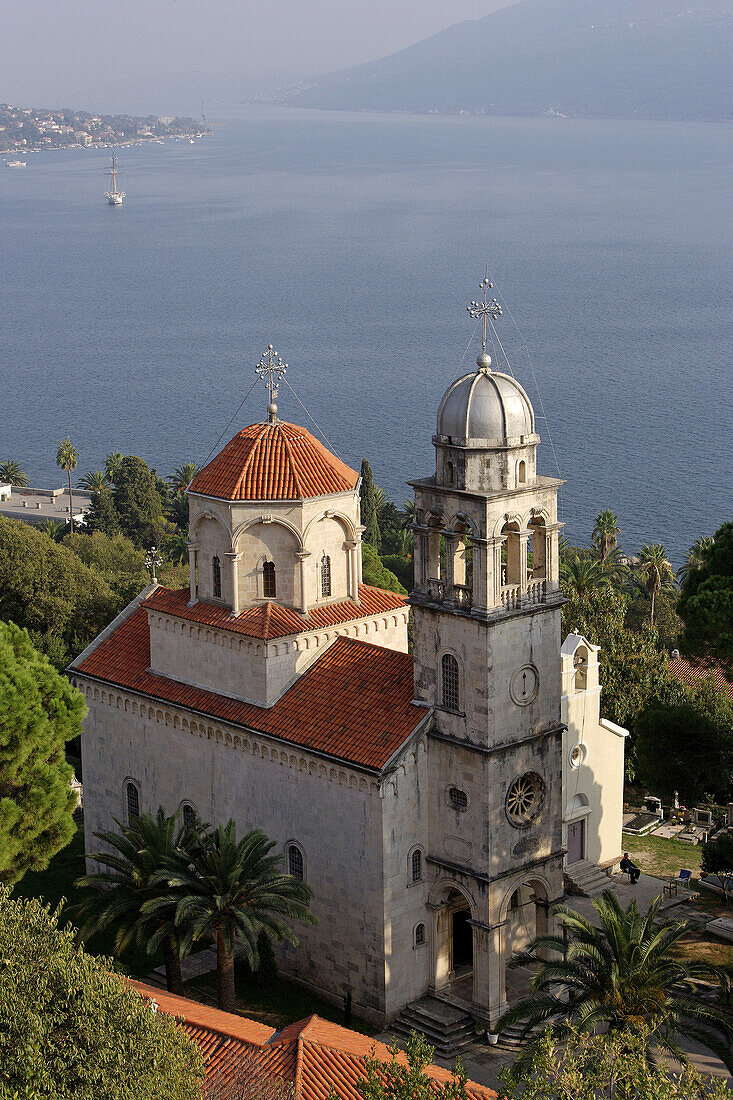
pixel 353 703
pixel 277 461
pixel 693 671
pixel 314 1055
pixel 272 620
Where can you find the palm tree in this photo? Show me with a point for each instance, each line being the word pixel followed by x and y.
pixel 67 458
pixel 54 528
pixel 12 474
pixel 615 566
pixel 408 513
pixel 656 571
pixel 231 890
pixel 606 532
pixel 112 464
pixel 177 510
pixel 696 555
pixel 138 852
pixel 580 576
pixel 176 547
pixel 94 481
pixel 182 476
pixel 619 976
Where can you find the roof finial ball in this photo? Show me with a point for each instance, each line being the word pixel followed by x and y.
pixel 487 311
pixel 271 369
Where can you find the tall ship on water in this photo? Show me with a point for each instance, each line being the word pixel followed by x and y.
pixel 115 195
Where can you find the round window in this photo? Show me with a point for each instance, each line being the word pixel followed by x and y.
pixel 458 798
pixel 578 755
pixel 525 799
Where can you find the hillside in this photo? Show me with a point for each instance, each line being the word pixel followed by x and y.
pixel 665 59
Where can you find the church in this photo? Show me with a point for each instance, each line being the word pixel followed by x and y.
pixel 438 802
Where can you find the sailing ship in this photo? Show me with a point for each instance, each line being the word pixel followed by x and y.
pixel 114 196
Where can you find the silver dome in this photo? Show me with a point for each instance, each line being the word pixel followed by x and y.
pixel 485 409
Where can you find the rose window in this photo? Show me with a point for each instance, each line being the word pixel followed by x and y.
pixel 525 798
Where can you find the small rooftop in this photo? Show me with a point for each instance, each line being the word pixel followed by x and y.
pixel 314 1055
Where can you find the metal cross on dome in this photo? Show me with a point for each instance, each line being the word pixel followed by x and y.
pixel 484 309
pixel 271 369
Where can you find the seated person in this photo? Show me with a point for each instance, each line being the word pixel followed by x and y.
pixel 631 868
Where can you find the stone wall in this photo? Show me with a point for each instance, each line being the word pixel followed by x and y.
pixel 332 812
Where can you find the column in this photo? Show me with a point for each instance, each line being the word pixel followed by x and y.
pixel 552 556
pixel 420 555
pixel 234 559
pixel 496 971
pixel 302 557
pixel 192 548
pixel 523 539
pixel 450 566
pixel 353 571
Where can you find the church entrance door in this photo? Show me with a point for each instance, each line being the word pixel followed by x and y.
pixel 576 841
pixel 462 942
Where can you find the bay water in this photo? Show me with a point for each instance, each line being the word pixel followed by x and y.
pixel 353 244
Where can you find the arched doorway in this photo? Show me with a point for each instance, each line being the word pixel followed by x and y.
pixel 453 940
pixel 526 915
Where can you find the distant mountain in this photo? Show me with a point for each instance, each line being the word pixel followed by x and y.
pixel 665 59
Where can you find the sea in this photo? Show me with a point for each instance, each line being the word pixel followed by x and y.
pixel 354 243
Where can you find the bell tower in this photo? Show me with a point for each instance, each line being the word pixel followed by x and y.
pixel 486 609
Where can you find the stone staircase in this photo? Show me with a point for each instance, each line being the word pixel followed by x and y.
pixel 510 1038
pixel 586 879
pixel 447 1028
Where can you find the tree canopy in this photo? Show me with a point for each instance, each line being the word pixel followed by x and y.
pixel 407 1079
pixel 39 713
pixel 47 589
pixel 684 744
pixel 137 499
pixel 376 573
pixel 115 559
pixel 71 1028
pixel 589 1067
pixel 706 600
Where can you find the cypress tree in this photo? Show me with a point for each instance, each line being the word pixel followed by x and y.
pixel 102 515
pixel 39 712
pixel 138 501
pixel 369 506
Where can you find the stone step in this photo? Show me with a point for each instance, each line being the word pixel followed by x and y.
pixel 588 879
pixel 511 1037
pixel 448 1029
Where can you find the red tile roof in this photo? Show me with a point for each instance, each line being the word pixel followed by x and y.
pixel 313 1055
pixel 353 703
pixel 272 620
pixel 273 462
pixel 693 671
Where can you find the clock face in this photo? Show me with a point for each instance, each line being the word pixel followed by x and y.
pixel 524 685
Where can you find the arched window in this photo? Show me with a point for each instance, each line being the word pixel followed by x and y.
pixel 268 580
pixel 216 576
pixel 132 799
pixel 450 473
pixel 325 576
pixel 451 693
pixel 522 472
pixel 416 866
pixel 580 664
pixel 419 935
pixel 188 814
pixel 295 862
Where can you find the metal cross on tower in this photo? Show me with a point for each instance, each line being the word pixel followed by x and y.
pixel 271 369
pixel 487 311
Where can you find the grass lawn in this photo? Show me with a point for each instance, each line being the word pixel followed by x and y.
pixel 663 858
pixel 57 882
pixel 279 1003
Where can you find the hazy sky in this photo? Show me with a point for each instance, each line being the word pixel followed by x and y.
pixel 51 49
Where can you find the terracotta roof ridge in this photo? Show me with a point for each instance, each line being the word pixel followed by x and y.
pixel 268 616
pixel 226 1024
pixel 292 464
pixel 245 468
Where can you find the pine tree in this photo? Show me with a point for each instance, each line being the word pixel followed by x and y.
pixel 138 501
pixel 39 713
pixel 368 501
pixel 102 515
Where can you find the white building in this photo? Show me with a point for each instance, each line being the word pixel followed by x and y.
pixel 426 798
